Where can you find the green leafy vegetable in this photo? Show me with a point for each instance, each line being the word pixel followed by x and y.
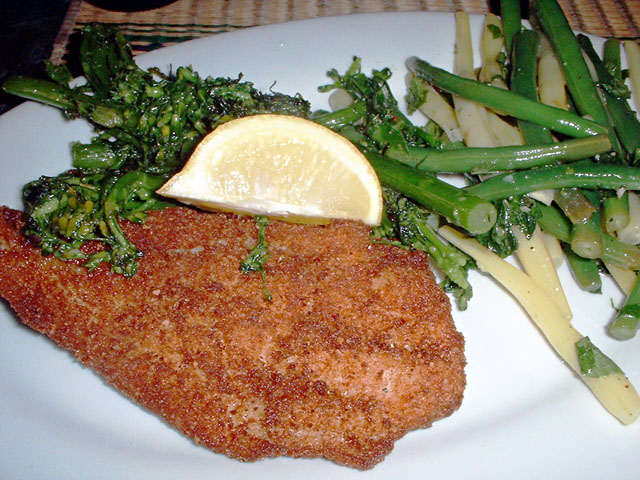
pixel 512 213
pixel 594 363
pixel 258 255
pixel 147 125
pixel 383 126
pixel 495 31
pixel 413 228
pixel 67 211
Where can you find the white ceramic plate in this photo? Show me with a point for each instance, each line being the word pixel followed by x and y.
pixel 525 414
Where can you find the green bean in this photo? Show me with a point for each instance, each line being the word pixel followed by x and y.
pixel 457 205
pixel 583 90
pixel 585 271
pixel 553 222
pixel 524 81
pixel 516 157
pixel 586 240
pixel 574 205
pixel 616 212
pixel 611 57
pixel 619 253
pixel 507 102
pixel 586 235
pixel 625 325
pixel 511 21
pixel 581 175
pixel 624 119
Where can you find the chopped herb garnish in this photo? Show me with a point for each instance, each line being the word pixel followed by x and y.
pixel 495 30
pixel 594 363
pixel 259 255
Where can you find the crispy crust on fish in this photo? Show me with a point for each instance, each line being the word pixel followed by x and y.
pixel 356 348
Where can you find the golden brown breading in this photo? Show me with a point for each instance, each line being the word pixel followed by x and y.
pixel 356 348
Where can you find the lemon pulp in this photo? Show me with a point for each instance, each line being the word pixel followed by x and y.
pixel 280 166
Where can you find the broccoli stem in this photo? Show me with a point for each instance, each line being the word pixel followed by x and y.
pixel 625 325
pixel 344 117
pixel 582 175
pixel 485 160
pixel 507 102
pixel 93 156
pixel 103 51
pixel 409 224
pixel 73 103
pixel 41 90
pixel 455 204
pixel 129 196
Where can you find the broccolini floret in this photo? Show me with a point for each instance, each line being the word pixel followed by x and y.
pixel 406 224
pixel 384 126
pixel 147 124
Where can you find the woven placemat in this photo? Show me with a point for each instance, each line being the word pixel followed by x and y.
pixel 188 19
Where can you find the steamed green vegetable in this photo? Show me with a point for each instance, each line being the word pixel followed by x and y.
pixel 583 175
pixel 508 102
pixel 615 95
pixel 259 254
pixel 456 205
pixel 524 80
pixel 499 159
pixel 582 161
pixel 594 363
pixel 511 21
pixel 413 227
pixel 147 125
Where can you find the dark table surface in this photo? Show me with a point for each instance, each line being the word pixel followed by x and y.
pixel 28 29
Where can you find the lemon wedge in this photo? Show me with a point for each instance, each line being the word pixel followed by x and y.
pixel 279 166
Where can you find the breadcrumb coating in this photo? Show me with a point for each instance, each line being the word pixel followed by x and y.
pixel 356 348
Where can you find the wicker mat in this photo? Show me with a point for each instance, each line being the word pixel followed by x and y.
pixel 187 19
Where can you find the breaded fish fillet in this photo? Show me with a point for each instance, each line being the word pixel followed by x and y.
pixel 356 348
